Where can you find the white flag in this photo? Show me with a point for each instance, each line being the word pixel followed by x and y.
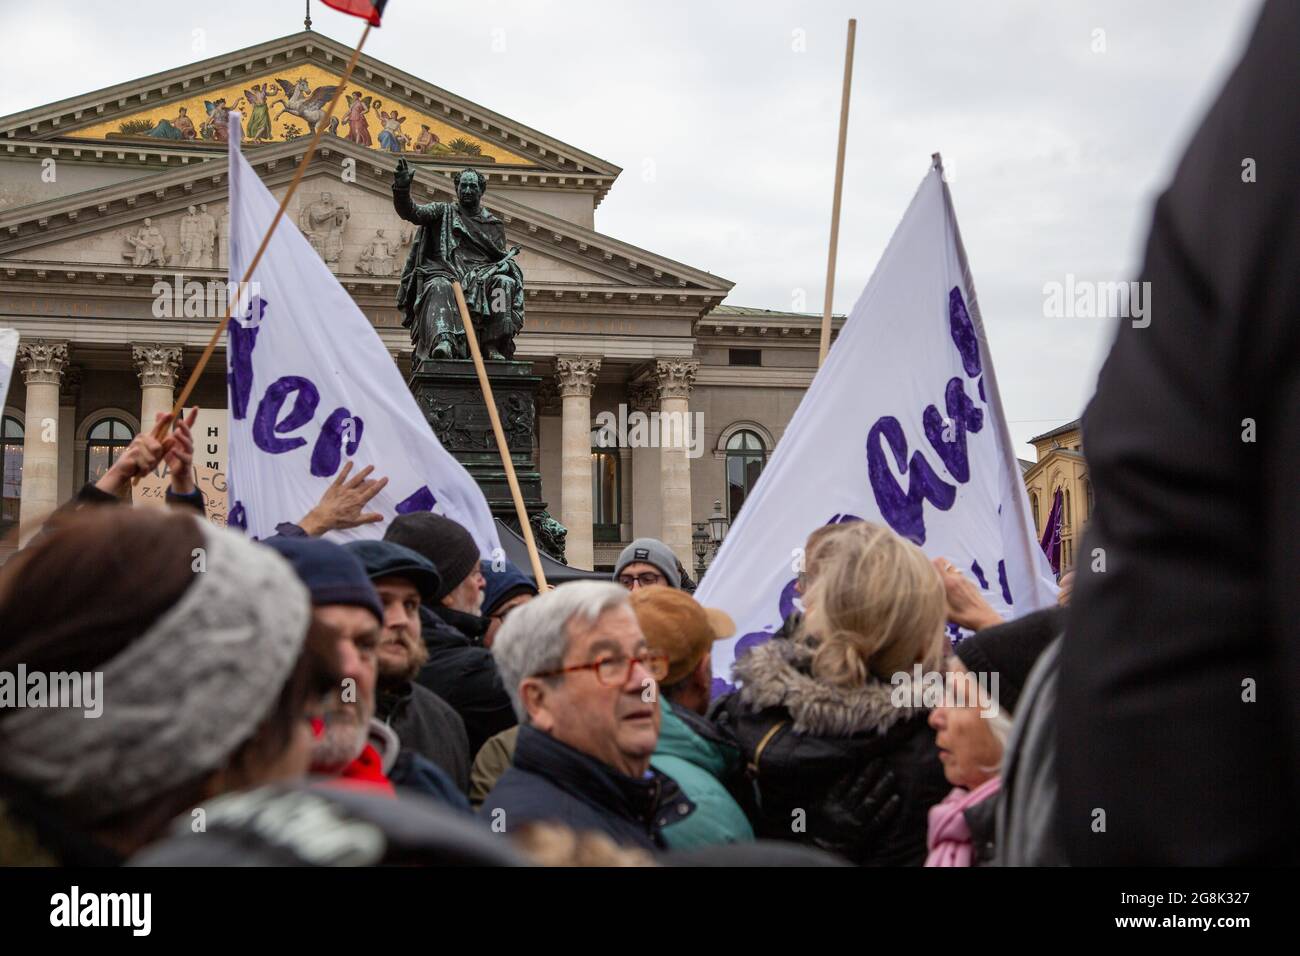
pixel 902 426
pixel 312 385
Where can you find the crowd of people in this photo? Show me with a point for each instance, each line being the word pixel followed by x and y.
pixel 404 687
pixel 400 700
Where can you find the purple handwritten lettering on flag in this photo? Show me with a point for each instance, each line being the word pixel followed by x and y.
pixel 903 426
pixel 312 384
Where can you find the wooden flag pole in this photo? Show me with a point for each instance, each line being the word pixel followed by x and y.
pixel 161 429
pixel 835 206
pixel 470 337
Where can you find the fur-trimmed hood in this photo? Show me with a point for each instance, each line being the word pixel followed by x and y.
pixel 778 673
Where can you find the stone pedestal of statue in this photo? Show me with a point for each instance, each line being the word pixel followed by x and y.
pixel 451 400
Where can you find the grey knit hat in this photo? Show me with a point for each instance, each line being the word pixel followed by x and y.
pixel 651 551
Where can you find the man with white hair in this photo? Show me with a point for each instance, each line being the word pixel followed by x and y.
pixel 584 684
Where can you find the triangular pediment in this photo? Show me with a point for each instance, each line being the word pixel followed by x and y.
pixel 398 112
pixel 278 108
pixel 94 228
pixel 1054 456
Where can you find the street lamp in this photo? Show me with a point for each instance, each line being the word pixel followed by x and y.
pixel 717 525
pixel 700 544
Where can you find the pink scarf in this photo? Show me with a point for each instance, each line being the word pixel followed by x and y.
pixel 949 838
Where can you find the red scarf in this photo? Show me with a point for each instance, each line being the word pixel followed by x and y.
pixel 366 772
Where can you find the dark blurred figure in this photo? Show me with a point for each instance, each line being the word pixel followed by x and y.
pixel 202 642
pixel 1179 725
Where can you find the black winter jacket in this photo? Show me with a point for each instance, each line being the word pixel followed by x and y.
pixel 428 725
pixel 801 737
pixel 462 672
pixel 981 820
pixel 1187 575
pixel 552 782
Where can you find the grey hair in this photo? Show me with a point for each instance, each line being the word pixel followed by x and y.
pixel 535 637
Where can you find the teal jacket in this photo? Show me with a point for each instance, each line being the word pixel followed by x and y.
pixel 694 755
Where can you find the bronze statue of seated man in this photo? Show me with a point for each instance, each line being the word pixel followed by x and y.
pixel 458 242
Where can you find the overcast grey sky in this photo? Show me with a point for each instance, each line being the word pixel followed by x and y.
pixel 723 115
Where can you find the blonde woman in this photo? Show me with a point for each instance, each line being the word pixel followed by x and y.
pixel 834 758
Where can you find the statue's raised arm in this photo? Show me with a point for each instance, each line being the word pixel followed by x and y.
pixel 403 176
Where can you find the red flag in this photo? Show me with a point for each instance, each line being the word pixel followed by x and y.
pixel 369 10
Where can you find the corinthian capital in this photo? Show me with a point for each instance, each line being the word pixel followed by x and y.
pixel 43 362
pixel 643 396
pixel 675 377
pixel 576 374
pixel 157 364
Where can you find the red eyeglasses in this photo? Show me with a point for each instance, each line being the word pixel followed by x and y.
pixel 615 671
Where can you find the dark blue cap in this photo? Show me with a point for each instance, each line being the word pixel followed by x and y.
pixel 332 575
pixel 503 585
pixel 385 559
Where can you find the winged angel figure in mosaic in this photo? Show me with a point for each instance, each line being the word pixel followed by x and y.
pixel 305 103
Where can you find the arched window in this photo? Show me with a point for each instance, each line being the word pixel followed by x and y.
pixel 1065 511
pixel 11 468
pixel 1033 506
pixel 746 456
pixel 1088 505
pixel 606 489
pixel 104 443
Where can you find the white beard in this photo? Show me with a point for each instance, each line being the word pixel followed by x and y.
pixel 339 744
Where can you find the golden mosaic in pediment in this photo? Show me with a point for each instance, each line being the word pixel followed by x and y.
pixel 286 105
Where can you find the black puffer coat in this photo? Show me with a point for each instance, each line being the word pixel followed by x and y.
pixel 801 738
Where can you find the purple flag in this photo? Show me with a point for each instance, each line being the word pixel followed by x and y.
pixel 1051 543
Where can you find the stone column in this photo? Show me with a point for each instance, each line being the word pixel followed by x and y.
pixel 576 378
pixel 157 366
pixel 643 399
pixel 68 396
pixel 42 364
pixel 675 378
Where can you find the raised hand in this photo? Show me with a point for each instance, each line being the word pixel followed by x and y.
pixel 137 460
pixel 180 456
pixel 966 606
pixel 340 507
pixel 404 175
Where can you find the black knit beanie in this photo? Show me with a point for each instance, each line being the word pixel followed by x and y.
pixel 1010 651
pixel 445 543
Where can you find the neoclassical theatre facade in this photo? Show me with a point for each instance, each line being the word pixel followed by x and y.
pixel 106 195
